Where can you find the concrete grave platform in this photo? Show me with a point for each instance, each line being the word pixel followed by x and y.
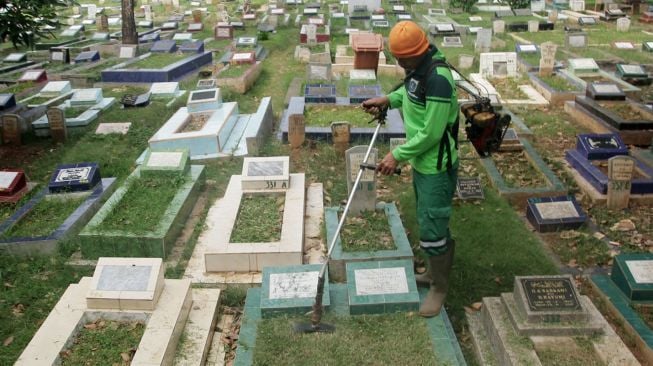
pixel 96 242
pixel 394 126
pixel 549 309
pixel 443 339
pixel 222 255
pixel 174 71
pixel 179 309
pixel 340 258
pixel 266 173
pixel 554 96
pixel 519 196
pixel 555 213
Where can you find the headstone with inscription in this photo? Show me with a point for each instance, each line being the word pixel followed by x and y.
pixel 13 185
pixel 266 173
pixel 57 124
pixel 548 299
pixel 623 24
pixel 533 26
pixel 483 40
pixel 11 129
pixel 341 135
pixel 469 188
pixel 296 130
pixel 365 196
pixel 620 174
pixel 547 58
pixel 498 26
pixel 291 289
pixel 74 177
pixel 633 274
pixel 102 23
pixel 595 146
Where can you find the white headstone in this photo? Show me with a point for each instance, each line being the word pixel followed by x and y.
pixel 483 40
pixel 293 285
pixel 164 159
pixel 623 24
pixel 92 11
pixel 533 26
pixel 6 178
pixel 311 33
pixel 127 52
pixel 556 210
pixel 642 270
pixel 381 281
pixel 109 128
pixel 498 26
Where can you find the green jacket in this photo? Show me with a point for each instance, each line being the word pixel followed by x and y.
pixel 426 115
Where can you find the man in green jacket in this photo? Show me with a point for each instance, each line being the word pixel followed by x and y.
pixel 430 109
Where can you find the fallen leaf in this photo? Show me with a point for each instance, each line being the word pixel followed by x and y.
pixel 569 234
pixel 624 225
pixel 9 285
pixel 477 306
pixel 598 235
pixel 125 356
pixel 8 341
pixel 90 326
pixel 572 263
pixel 18 309
pixel 469 310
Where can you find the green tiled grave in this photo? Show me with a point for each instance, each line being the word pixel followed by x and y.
pixel 633 274
pixel 291 289
pixel 339 257
pixel 443 339
pixel 380 287
pixel 98 242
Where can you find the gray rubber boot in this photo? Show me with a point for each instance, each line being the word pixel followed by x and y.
pixel 424 279
pixel 439 268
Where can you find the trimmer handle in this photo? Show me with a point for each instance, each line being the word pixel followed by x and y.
pixel 373 167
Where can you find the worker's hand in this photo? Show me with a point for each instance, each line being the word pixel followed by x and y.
pixel 388 165
pixel 375 105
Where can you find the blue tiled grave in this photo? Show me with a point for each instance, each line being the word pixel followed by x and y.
pixel 381 287
pixel 74 177
pixel 291 289
pixel 339 257
pixel 7 101
pixel 94 194
pixel 87 56
pixel 320 93
pixel 164 46
pixel 548 214
pixel 595 146
pixel 633 275
pixel 633 74
pixel 175 71
pixel 192 47
pixel 360 93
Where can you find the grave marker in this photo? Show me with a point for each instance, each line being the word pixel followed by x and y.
pixel 60 54
pixel 311 34
pixel 620 173
pixel 296 130
pixel 7 101
pixel 16 57
pixel 547 58
pixel 57 124
pixel 365 196
pixel 623 24
pixel 11 134
pixel 316 71
pixel 586 21
pixel 498 26
pixel 120 128
pixel 13 185
pixel 576 39
pixel 102 23
pixel 633 274
pixel 533 26
pixel 469 188
pixel 341 134
pixel 552 298
pixel 74 178
pixel 265 173
pixel 548 214
pixel 128 51
pixel 483 40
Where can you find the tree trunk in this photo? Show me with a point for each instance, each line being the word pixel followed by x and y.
pixel 129 34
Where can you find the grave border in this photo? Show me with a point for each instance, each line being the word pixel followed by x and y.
pixel 625 281
pixel 548 225
pixel 274 307
pixel 172 72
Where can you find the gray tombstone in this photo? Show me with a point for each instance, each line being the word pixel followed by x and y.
pixel 365 196
pixel 311 34
pixel 316 71
pixel 623 24
pixel 498 26
pixel 296 130
pixel 533 26
pixel 620 174
pixel 483 40
pixel 57 124
pixel 11 134
pixel 341 134
pixel 102 23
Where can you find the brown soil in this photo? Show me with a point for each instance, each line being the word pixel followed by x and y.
pixel 625 111
pixel 517 170
pixel 196 122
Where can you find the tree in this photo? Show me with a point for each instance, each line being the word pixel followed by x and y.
pixel 129 34
pixel 466 5
pixel 519 4
pixel 22 21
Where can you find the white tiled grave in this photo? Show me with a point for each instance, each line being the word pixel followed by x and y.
pixel 126 284
pixel 221 255
pixel 56 88
pixel 265 173
pixel 166 90
pixel 583 66
pixel 180 309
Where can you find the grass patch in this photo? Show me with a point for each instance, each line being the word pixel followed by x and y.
pixel 234 71
pixel 532 58
pixel 367 231
pixel 508 88
pixel 142 207
pixel 74 112
pixel 359 340
pixel 18 87
pixel 579 354
pixel 157 61
pixel 259 219
pixel 580 248
pixel 323 115
pixel 44 218
pixel 558 83
pixel 517 169
pixel 625 111
pixel 102 343
pixel 40 100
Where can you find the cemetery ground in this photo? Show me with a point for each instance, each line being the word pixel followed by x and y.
pixel 495 243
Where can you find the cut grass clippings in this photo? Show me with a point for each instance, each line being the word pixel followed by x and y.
pixel 323 115
pixel 388 339
pixel 367 231
pixel 142 207
pixel 104 343
pixel 259 219
pixel 517 170
pixel 44 218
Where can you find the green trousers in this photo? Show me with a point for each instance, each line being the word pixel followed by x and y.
pixel 433 196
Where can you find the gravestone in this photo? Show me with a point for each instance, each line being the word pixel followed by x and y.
pixel 74 178
pixel 341 133
pixel 483 40
pixel 102 23
pixel 623 24
pixel 452 42
pixel 587 21
pixel 291 289
pixel 498 64
pixel 633 274
pixel 11 134
pixel 128 51
pixel 475 19
pixel 526 48
pixel 57 124
pixel 605 91
pixel 7 102
pixel 265 173
pixel 197 16
pixel 194 27
pixel 595 146
pixel 56 88
pixel 623 45
pixel 547 58
pixel 86 97
pixel 576 40
pixel 548 214
pixel 580 66
pixel 147 9
pixel 465 61
pixel 365 196
pixel 296 130
pixel 120 128
pixel 87 56
pixel 206 84
pixel 577 5
pixel 60 54
pixel 311 34
pixel 223 31
pixel 100 36
pixel 316 72
pixel 166 46
pixel 469 188
pixel 92 11
pixel 15 57
pixel 620 173
pixel 548 299
pixel 533 26
pixel 13 185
